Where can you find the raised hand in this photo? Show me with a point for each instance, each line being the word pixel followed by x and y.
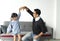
pixel 25 7
pixel 22 8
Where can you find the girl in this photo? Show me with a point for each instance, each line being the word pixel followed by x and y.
pixel 14 27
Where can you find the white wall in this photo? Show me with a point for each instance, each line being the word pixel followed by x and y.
pixel 54 19
pixel 58 20
pixel 47 8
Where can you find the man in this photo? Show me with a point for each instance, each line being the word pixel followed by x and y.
pixel 38 27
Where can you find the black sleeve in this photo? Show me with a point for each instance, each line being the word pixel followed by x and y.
pixel 30 12
pixel 43 26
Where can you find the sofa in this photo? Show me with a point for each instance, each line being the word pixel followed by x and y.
pixel 25 28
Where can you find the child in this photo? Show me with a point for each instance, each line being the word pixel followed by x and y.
pixel 14 27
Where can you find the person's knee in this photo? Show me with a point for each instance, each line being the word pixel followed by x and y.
pixel 23 39
pixel 36 39
pixel 26 37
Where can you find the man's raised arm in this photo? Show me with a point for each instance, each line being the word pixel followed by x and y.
pixel 28 10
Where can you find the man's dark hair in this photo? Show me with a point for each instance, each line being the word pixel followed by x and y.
pixel 14 15
pixel 37 11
